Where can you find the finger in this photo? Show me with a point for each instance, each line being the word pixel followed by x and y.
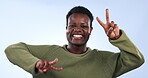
pixel 46 64
pixel 116 31
pixel 53 62
pixel 100 22
pixel 112 24
pixel 37 65
pixel 56 68
pixel 107 16
pixel 110 30
pixel 41 71
pixel 40 64
pixel 45 70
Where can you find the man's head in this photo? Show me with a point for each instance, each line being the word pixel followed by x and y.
pixel 79 25
pixel 80 10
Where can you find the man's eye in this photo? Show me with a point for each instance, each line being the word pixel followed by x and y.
pixel 72 26
pixel 84 26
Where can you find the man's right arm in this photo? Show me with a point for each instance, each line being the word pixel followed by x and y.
pixel 29 57
pixel 20 55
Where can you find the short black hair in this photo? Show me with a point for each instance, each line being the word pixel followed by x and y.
pixel 81 10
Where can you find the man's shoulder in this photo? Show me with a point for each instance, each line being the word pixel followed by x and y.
pixel 106 55
pixel 40 46
pixel 103 52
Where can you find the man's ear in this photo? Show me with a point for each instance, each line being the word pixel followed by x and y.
pixel 66 28
pixel 91 28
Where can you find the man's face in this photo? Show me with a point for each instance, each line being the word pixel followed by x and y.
pixel 78 29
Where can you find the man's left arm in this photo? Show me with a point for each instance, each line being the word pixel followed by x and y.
pixel 129 56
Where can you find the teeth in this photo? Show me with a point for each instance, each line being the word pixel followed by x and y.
pixel 77 35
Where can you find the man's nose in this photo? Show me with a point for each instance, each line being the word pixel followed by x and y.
pixel 78 29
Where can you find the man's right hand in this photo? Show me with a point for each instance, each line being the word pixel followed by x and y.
pixel 43 66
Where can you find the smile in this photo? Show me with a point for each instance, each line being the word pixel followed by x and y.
pixel 77 36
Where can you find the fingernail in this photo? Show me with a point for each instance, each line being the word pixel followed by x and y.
pixel 45 70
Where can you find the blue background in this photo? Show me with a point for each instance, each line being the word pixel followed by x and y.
pixel 43 22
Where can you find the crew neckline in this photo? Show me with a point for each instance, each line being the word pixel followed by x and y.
pixel 87 51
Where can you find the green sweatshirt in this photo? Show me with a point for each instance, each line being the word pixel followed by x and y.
pixel 91 64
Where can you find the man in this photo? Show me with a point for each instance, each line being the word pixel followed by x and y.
pixel 75 59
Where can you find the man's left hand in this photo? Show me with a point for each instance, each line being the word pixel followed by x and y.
pixel 111 29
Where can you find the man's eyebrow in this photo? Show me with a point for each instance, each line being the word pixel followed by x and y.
pixel 84 23
pixel 72 23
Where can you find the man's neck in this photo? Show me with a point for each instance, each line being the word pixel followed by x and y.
pixel 77 49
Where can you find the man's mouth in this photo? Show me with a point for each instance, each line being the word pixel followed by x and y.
pixel 77 36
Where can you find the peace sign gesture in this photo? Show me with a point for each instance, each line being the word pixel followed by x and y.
pixel 110 28
pixel 43 66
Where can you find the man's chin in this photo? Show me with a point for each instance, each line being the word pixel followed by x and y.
pixel 77 44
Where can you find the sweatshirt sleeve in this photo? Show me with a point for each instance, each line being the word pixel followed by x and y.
pixel 20 55
pixel 129 57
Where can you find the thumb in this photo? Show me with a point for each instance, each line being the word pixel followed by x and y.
pixel 37 64
pixel 100 22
